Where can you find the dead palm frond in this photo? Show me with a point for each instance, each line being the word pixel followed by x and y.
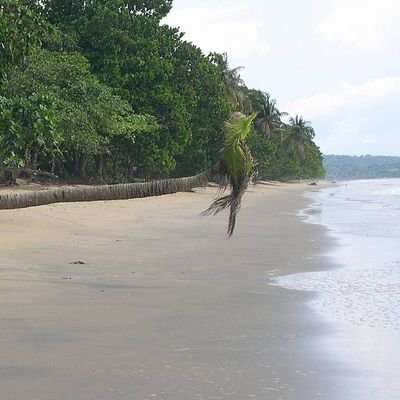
pixel 234 168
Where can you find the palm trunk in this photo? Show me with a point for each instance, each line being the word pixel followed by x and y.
pixel 82 165
pixel 131 170
pixel 100 165
pixel 28 158
pixel 34 160
pixel 53 164
pixel 104 192
pixel 75 166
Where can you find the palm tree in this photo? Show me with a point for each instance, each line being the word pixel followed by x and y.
pixel 233 84
pixel 269 118
pixel 234 168
pixel 298 136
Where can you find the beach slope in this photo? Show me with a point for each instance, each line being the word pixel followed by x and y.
pixel 146 298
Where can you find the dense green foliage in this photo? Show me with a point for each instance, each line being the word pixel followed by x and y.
pixel 91 88
pixel 21 30
pixel 361 167
pixel 56 106
pixel 282 150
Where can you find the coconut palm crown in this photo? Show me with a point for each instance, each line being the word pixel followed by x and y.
pixel 269 118
pixel 299 135
pixel 235 167
pixel 233 84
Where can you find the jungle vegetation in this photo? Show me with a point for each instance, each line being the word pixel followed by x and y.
pixel 104 88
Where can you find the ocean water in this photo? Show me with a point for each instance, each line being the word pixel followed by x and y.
pixel 360 299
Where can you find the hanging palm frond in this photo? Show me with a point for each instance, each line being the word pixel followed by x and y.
pixel 234 168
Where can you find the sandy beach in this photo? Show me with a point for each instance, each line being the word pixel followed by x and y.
pixel 146 298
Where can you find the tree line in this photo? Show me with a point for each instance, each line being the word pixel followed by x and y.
pixel 103 88
pixel 341 167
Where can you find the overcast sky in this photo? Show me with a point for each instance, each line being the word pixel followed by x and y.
pixel 335 62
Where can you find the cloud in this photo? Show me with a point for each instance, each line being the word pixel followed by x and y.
pixel 357 135
pixel 217 28
pixel 366 25
pixel 345 134
pixel 344 96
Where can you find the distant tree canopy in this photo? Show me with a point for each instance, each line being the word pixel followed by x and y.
pixel 103 87
pixel 361 167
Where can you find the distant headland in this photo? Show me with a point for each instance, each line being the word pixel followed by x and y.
pixel 340 167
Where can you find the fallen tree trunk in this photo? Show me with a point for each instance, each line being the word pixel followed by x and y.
pixel 234 168
pixel 103 192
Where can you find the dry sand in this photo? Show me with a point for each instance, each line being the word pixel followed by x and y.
pixel 164 306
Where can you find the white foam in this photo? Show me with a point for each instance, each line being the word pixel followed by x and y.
pixel 363 296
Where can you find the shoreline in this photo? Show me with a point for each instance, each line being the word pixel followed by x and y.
pixel 164 304
pixel 360 298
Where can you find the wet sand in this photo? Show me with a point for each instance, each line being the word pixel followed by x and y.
pixel 163 305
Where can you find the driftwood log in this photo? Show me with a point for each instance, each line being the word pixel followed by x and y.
pixel 103 192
